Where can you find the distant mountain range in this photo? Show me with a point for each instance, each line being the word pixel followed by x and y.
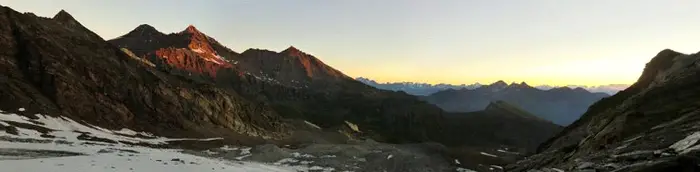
pixel 424 89
pixel 419 89
pixel 561 105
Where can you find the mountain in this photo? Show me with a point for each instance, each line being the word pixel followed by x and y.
pixel 503 119
pixel 610 89
pixel 650 126
pixel 289 67
pixel 60 78
pixel 419 89
pixel 292 83
pixel 559 105
pixel 57 67
pixel 189 51
pixel 298 85
pixel 424 89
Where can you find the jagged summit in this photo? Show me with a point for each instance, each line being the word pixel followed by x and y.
pixel 293 51
pixel 145 27
pixel 187 51
pixel 519 85
pixel 63 16
pixel 191 29
pixel 67 20
pixel 144 30
pixel 658 65
pixel 499 84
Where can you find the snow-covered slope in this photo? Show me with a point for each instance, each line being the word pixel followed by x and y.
pixel 60 144
pixel 41 157
pixel 42 143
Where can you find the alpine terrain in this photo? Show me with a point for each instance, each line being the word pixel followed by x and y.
pixel 70 100
pixel 650 126
pixel 182 101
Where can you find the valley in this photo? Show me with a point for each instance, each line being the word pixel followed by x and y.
pixel 146 100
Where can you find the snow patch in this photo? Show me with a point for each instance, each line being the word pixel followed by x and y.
pixel 312 125
pixel 352 126
pixel 69 130
pixel 219 57
pixel 505 151
pixel 325 169
pixel 245 151
pixel 286 161
pixel 197 50
pixel 460 169
pixel 555 169
pixel 299 155
pixel 126 131
pixel 487 154
pixel 137 159
pixel 228 148
pixel 683 146
pixel 328 156
pixel 84 155
pixel 213 61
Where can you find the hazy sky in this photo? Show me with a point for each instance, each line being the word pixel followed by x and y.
pixel 556 42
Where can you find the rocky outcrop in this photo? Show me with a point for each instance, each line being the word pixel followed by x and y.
pixel 651 126
pixel 187 60
pixel 54 68
pixel 189 51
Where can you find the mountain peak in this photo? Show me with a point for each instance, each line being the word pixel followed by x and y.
pixel 657 66
pixel 499 83
pixel 579 89
pixel 64 16
pixel 145 27
pixel 143 30
pixel 191 29
pixel 292 50
pixel 519 85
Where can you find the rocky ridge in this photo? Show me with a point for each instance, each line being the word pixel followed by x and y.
pixel 651 126
pixel 560 105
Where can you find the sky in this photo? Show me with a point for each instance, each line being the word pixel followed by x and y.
pixel 554 42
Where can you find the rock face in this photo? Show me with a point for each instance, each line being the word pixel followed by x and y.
pixel 57 67
pixel 651 126
pixel 559 105
pixel 290 67
pixel 189 51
